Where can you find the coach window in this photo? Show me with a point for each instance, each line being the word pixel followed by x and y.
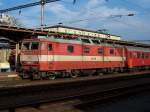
pixel 70 49
pixel 100 50
pixel 138 55
pixel 50 47
pixel 131 56
pixel 86 50
pixel 112 52
pixel 143 55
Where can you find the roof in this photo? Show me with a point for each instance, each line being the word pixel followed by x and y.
pixel 62 26
pixel 18 33
pixel 128 43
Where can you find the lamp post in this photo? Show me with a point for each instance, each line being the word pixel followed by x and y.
pixel 42 13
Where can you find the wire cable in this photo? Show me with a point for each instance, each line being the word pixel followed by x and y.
pixel 136 5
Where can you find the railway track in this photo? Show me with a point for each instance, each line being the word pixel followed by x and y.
pixel 19 82
pixel 100 89
pixel 82 102
pixel 112 93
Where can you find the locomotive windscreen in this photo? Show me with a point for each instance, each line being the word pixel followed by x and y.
pixel 25 45
pixel 30 45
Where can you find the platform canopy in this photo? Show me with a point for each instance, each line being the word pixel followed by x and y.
pixel 17 33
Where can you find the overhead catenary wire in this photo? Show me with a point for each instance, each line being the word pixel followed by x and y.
pixel 26 5
pixel 47 1
pixel 95 18
pixel 41 2
pixel 136 5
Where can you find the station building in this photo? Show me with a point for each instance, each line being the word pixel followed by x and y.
pixel 81 32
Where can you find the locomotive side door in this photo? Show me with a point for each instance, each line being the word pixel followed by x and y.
pixel 123 56
pixel 50 55
pixel 130 60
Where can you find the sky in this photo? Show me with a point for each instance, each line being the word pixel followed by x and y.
pixel 90 14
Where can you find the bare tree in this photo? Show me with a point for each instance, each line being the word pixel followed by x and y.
pixel 6 19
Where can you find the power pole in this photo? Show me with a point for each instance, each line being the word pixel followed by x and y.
pixel 40 2
pixel 42 14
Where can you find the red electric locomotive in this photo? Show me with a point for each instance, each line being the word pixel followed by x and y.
pixel 55 56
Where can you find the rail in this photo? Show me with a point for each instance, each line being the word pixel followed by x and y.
pixel 37 94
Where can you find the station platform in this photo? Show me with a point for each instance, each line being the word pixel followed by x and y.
pixel 4 76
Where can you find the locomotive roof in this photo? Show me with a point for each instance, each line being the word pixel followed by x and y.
pixel 128 43
pixel 119 42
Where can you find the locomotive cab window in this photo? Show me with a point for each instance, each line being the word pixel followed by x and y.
pixel 26 46
pixel 70 49
pixel 34 45
pixel 50 47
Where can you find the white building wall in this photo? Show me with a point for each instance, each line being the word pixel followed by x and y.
pixel 84 33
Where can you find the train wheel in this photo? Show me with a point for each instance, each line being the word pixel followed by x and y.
pixel 75 73
pixel 36 76
pixel 52 77
pixel 24 75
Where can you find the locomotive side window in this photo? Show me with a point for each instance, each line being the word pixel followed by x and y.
pixel 96 41
pixel 86 50
pixel 26 46
pixel 50 47
pixel 35 45
pixel 112 52
pixel 100 50
pixel 70 49
pixel 85 40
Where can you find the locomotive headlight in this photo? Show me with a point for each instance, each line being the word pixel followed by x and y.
pixel 36 62
pixel 30 62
